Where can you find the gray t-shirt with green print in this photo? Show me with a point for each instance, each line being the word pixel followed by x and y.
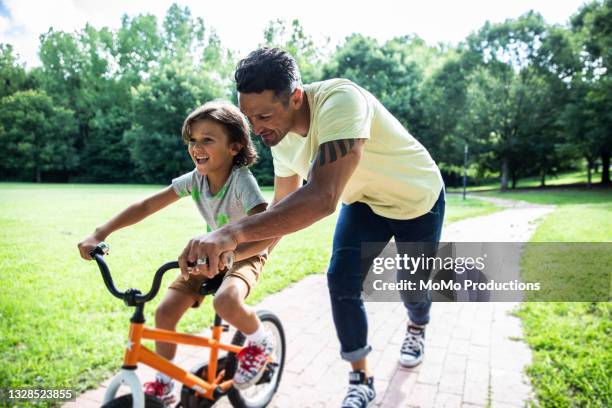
pixel 235 199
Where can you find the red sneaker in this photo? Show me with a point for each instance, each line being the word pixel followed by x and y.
pixel 252 361
pixel 160 390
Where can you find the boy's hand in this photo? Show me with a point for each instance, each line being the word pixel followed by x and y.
pixel 87 245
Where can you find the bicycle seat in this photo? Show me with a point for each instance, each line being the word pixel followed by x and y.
pixel 210 286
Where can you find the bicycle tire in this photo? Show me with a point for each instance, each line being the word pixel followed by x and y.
pixel 125 401
pixel 189 398
pixel 241 398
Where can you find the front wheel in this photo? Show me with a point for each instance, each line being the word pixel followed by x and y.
pixel 130 379
pixel 125 401
pixel 260 394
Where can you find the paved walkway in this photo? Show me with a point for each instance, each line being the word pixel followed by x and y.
pixel 474 355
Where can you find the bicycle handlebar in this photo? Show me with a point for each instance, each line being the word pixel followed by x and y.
pixel 132 297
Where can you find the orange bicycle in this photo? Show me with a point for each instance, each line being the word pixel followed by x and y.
pixel 204 384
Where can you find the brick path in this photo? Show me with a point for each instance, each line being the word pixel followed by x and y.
pixel 474 356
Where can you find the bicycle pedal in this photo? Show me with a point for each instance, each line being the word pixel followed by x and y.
pixel 268 373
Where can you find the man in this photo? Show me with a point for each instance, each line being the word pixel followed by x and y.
pixel 347 146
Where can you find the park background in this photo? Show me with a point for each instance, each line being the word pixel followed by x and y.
pixel 531 100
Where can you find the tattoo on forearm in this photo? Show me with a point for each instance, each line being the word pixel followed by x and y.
pixel 331 151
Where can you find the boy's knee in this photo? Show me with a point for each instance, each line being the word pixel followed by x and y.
pixel 226 302
pixel 165 316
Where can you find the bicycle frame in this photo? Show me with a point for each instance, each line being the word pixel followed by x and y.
pixel 210 388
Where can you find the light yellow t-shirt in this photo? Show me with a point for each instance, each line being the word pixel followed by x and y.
pixel 396 176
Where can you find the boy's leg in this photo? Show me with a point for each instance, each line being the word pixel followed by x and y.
pixel 236 286
pixel 172 307
pixel 167 315
pixel 229 304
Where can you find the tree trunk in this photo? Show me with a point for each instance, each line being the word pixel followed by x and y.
pixel 543 178
pixel 605 167
pixel 38 175
pixel 589 171
pixel 514 180
pixel 504 174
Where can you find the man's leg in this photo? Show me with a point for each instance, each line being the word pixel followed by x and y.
pixel 356 224
pixel 425 230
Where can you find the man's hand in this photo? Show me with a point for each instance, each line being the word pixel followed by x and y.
pixel 209 246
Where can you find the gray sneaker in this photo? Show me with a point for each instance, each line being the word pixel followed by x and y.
pixel 413 346
pixel 361 392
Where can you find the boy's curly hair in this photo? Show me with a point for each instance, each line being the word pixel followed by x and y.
pixel 234 122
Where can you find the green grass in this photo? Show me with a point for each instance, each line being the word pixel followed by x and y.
pixel 563 197
pixel 572 357
pixel 563 179
pixel 459 209
pixel 59 327
pixel 572 360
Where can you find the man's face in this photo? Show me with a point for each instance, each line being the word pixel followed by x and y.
pixel 270 118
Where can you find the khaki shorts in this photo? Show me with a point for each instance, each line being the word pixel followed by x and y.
pixel 248 270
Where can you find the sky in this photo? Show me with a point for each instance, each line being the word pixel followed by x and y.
pixel 240 24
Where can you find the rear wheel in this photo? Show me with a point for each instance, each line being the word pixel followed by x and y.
pixel 260 394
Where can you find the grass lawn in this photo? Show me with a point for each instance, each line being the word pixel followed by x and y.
pixel 59 327
pixel 563 179
pixel 570 341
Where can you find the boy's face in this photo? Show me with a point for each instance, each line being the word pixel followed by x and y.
pixel 209 147
pixel 270 117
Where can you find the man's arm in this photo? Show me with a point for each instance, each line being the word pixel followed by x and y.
pixel 335 163
pixel 330 172
pixel 283 186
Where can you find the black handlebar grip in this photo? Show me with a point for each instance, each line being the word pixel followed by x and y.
pixel 101 249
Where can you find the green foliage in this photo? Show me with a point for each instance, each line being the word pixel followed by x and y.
pixel 294 40
pixel 12 75
pixel 137 47
pixel 529 98
pixel 37 136
pixel 161 104
pixel 263 170
pixel 388 72
pixel 590 113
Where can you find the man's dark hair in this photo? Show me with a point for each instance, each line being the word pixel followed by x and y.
pixel 268 69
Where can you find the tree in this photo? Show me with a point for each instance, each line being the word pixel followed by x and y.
pixel 13 76
pixel 37 136
pixel 592 26
pixel 295 41
pixel 384 71
pixel 517 96
pixel 444 99
pixel 137 49
pixel 161 104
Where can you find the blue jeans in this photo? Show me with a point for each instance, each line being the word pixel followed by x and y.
pixel 357 223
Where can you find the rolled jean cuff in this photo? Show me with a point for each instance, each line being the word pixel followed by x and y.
pixel 356 355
